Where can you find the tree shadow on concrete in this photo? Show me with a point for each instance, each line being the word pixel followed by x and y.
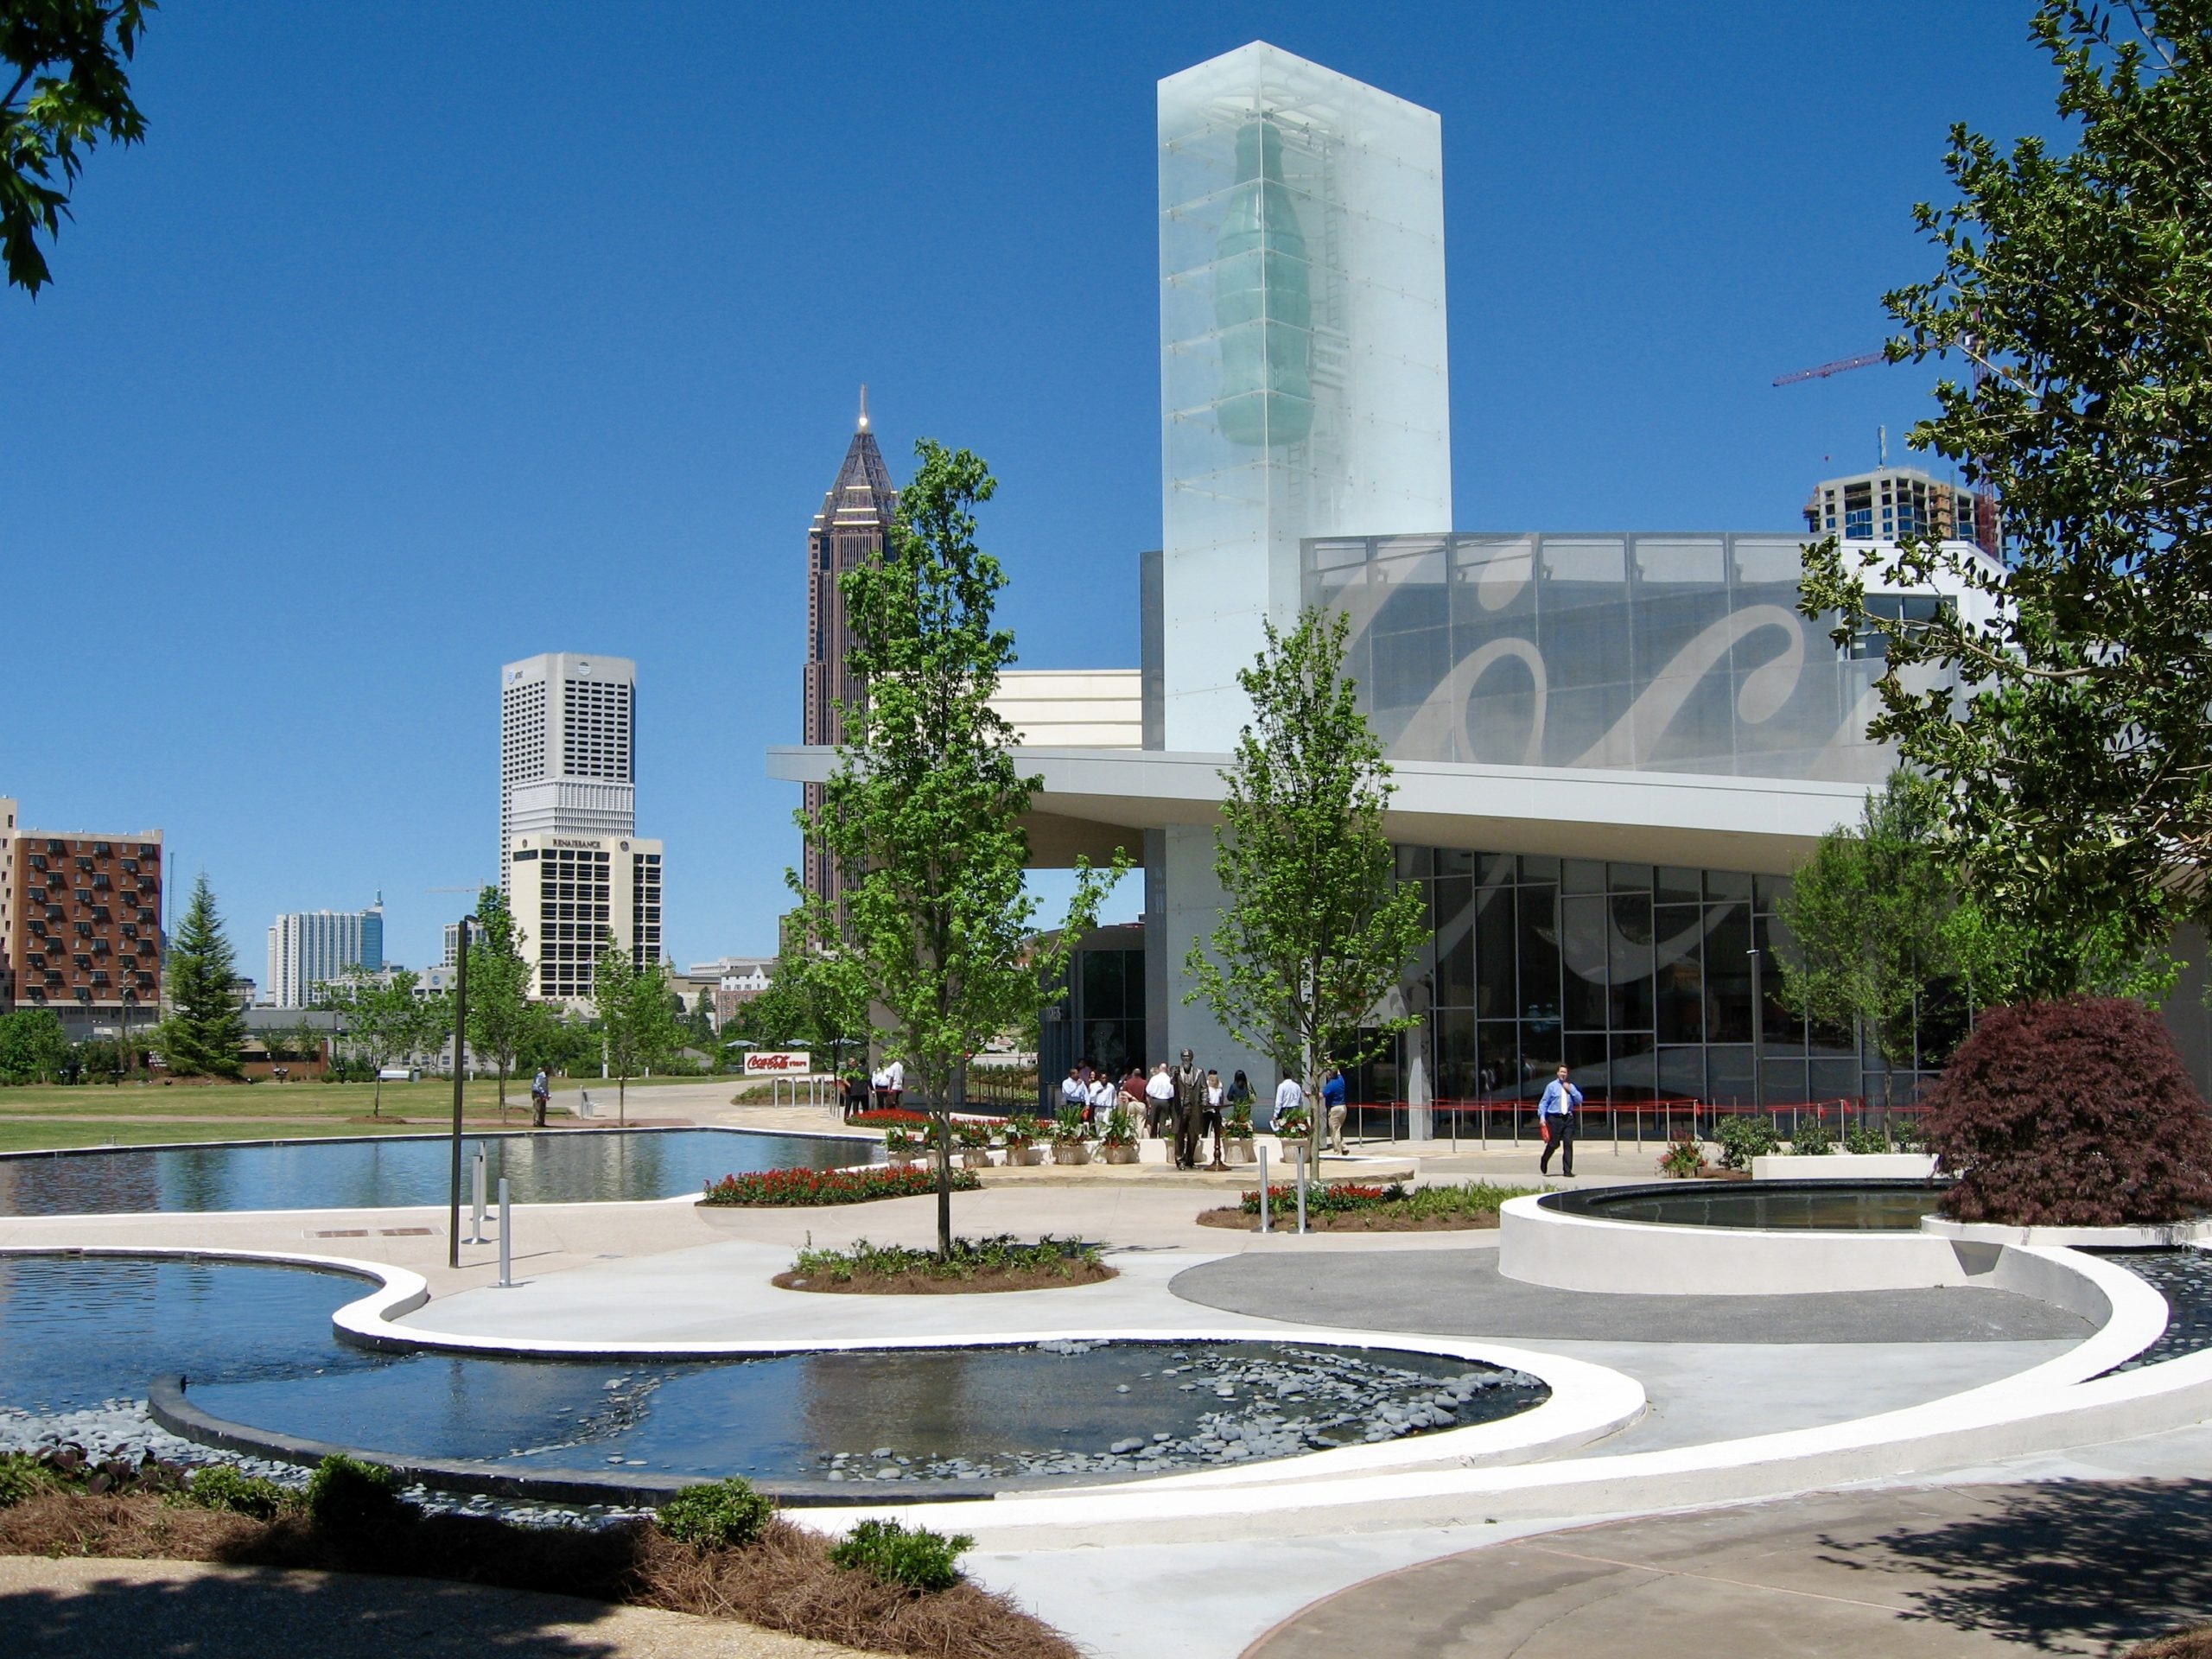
pixel 2059 1564
pixel 277 1614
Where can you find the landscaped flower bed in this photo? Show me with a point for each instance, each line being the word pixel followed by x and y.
pixel 718 1550
pixel 900 1117
pixel 800 1186
pixel 975 1264
pixel 1346 1206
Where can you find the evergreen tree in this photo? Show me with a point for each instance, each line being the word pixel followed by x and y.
pixel 204 1033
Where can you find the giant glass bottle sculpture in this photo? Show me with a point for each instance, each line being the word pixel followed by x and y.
pixel 1264 302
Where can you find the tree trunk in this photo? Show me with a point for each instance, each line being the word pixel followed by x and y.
pixel 943 1116
pixel 622 1102
pixel 376 1104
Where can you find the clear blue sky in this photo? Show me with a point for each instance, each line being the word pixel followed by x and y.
pixel 419 338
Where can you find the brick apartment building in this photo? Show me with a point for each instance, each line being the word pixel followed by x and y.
pixel 80 924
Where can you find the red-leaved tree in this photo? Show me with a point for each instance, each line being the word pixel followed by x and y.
pixel 2077 1113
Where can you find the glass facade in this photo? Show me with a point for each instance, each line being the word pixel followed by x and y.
pixel 1650 652
pixel 1653 982
pixel 1302 348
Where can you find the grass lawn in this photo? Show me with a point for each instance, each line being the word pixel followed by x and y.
pixel 37 1117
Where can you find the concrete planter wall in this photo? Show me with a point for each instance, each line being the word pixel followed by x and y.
pixel 1846 1166
pixel 1070 1152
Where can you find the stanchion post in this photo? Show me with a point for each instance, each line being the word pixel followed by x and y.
pixel 1301 1189
pixel 506 1239
pixel 476 1181
pixel 1264 1227
pixel 460 1051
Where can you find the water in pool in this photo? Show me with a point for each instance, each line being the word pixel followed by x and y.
pixel 256 1343
pixel 560 1167
pixel 1822 1207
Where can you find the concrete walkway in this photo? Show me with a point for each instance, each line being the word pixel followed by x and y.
pixel 1929 1571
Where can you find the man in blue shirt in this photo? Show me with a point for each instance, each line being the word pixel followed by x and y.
pixel 1333 1101
pixel 1556 1113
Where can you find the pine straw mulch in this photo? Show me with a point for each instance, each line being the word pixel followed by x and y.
pixel 1350 1220
pixel 2193 1644
pixel 924 1284
pixel 784 1580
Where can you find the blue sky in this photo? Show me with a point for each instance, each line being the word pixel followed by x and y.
pixel 419 338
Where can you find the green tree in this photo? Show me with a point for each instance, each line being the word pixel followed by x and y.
pixel 923 813
pixel 817 999
pixel 2077 765
pixel 387 1018
pixel 204 1033
pixel 498 990
pixel 637 1029
pixel 70 90
pixel 33 1048
pixel 1318 928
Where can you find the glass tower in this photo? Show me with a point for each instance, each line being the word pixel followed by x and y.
pixel 1302 350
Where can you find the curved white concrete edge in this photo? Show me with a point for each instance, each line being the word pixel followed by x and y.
pixel 1543 1246
pixel 2151 1235
pixel 1587 1403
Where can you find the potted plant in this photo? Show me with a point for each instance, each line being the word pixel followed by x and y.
pixel 1294 1125
pixel 1069 1137
pixel 1119 1143
pixel 1684 1159
pixel 900 1148
pixel 1023 1132
pixel 1236 1134
pixel 974 1141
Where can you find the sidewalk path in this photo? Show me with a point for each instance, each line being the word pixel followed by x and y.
pixel 2064 1568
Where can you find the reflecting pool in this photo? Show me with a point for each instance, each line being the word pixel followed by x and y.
pixel 255 1343
pixel 552 1166
pixel 1818 1206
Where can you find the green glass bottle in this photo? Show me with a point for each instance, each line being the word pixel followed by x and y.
pixel 1264 302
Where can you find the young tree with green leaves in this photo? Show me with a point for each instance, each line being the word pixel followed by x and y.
pixel 923 813
pixel 2076 768
pixel 34 1047
pixel 1319 929
pixel 817 998
pixel 385 1018
pixel 637 1025
pixel 498 991
pixel 61 62
pixel 204 1033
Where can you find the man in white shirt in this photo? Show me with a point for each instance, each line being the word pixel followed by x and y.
pixel 1159 1099
pixel 896 1077
pixel 1288 1098
pixel 1099 1101
pixel 1073 1092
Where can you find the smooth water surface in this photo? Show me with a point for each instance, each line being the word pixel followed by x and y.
pixel 1818 1206
pixel 255 1343
pixel 554 1166
pixel 2183 1276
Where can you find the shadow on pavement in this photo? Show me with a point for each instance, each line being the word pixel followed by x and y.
pixel 2111 1561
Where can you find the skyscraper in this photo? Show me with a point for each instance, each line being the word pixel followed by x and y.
pixel 852 528
pixel 567 748
pixel 310 947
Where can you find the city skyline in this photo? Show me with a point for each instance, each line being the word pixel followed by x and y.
pixel 317 418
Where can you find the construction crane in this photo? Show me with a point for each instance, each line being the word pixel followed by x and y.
pixel 1985 500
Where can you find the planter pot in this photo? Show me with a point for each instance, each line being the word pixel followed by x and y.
pixel 1025 1156
pixel 1239 1152
pixel 1119 1155
pixel 974 1160
pixel 1070 1152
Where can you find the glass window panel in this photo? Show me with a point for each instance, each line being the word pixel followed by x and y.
pixel 1628 950
pixel 1783 1083
pixel 1493 866
pixel 1498 1058
pixel 1634 1066
pixel 1586 1059
pixel 1101 985
pixel 1727 884
pixel 1540 1054
pixel 1832 1079
pixel 1457 1076
pixel 1450 860
pixel 1680 981
pixel 1581 876
pixel 1539 952
pixel 1728 1069
pixel 1782 1028
pixel 1455 941
pixel 1539 866
pixel 1677 885
pixel 1772 890
pixel 1582 949
pixel 1407 669
pixel 1682 1073
pixel 1629 878
pixel 1728 974
pixel 1496 949
pixel 1413 861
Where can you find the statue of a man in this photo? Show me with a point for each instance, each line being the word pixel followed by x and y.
pixel 1190 1111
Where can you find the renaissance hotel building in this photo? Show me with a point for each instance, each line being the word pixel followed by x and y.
pixel 1610 749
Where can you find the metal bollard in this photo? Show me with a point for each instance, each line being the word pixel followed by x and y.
pixel 1263 1191
pixel 1301 1188
pixel 476 1189
pixel 507 1240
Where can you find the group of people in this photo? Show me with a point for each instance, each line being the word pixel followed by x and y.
pixel 1185 1105
pixel 880 1090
